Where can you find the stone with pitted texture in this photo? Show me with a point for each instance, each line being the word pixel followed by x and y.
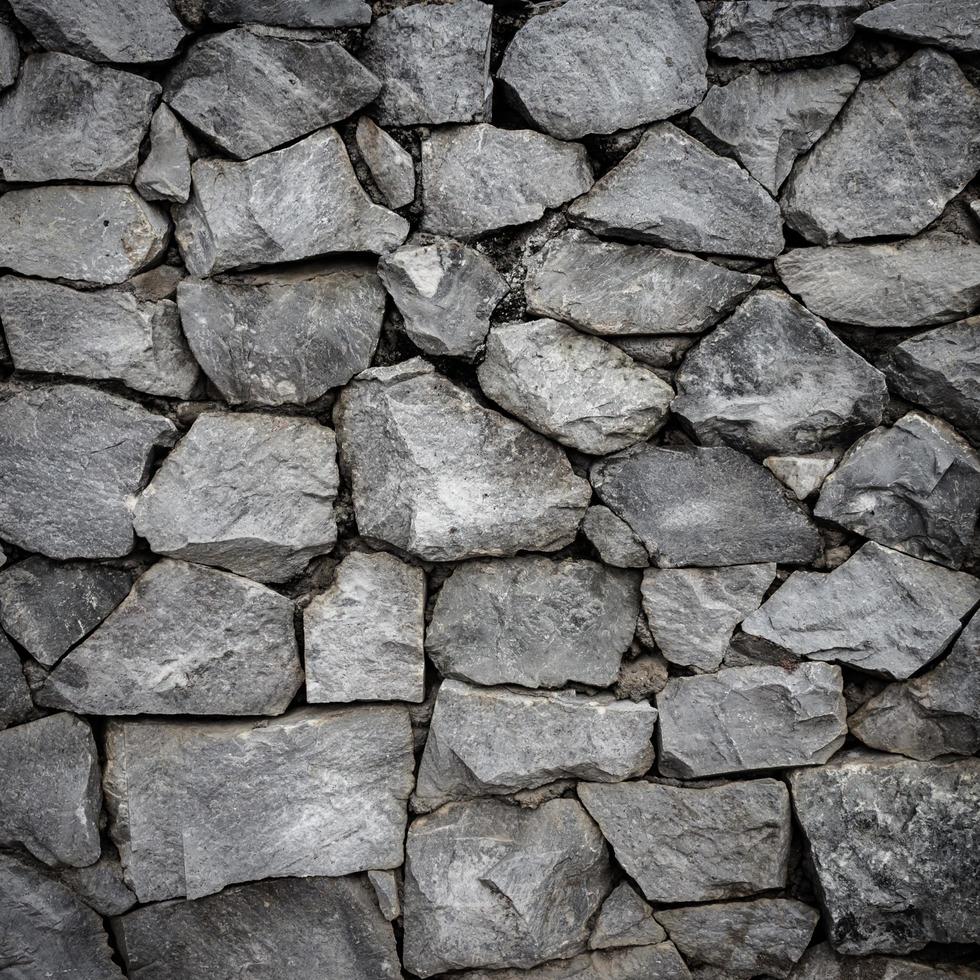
pixel 165 174
pixel 625 920
pixel 391 166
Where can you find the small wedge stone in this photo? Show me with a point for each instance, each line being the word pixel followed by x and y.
pixel 9 56
pixel 613 538
pixel 391 167
pixel 387 889
pixel 165 174
pixel 625 920
pixel 950 24
pixel 802 474
pixel 15 696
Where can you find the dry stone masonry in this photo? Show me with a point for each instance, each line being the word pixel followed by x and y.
pixel 489 489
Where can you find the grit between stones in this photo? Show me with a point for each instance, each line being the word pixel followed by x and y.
pixel 489 491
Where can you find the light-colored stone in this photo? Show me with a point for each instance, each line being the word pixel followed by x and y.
pixel 802 474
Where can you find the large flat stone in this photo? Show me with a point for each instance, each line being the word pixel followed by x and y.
pixel 950 24
pixel 659 962
pixel 290 13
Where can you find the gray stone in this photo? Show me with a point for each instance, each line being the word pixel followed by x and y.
pixel 364 635
pixel 802 474
pixel 436 474
pixel 493 741
pixel 196 806
pixel 767 121
pixel 578 69
pixel 281 338
pixel 9 56
pixel 747 718
pixel 822 963
pixel 187 640
pixel 70 120
pixel 70 460
pixel 433 61
pixel 578 389
pixel 533 621
pixel 387 890
pixel 290 13
pixel 47 607
pixel 92 233
pixel 480 178
pixel 772 378
pixel 664 352
pixel 767 935
pixel 914 487
pixel 695 844
pixel 692 612
pixel 106 334
pixel 951 24
pixel 742 516
pixel 673 191
pixel 625 920
pixel 15 696
pixel 613 538
pixel 238 216
pixel 49 796
pixel 302 927
pixel 610 288
pixel 661 962
pixel 165 174
pixel 100 886
pixel 445 293
pixel 895 845
pixel 491 885
pixel 880 611
pixel 250 92
pixel 919 125
pixel 391 167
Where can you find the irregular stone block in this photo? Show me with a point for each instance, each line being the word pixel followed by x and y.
pixel 386 885
pixel 9 57
pixel 950 24
pixel 802 474
pixel 165 174
pixel 391 167
pixel 625 920
pixel 822 963
pixel 290 13
pixel 15 696
pixel 100 886
pixel 613 538
pixel 661 962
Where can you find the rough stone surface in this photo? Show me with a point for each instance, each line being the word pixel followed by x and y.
pixel 165 174
pixel 364 635
pixel 100 886
pixel 802 474
pixel 290 13
pixel 533 621
pixel 15 696
pixel 822 963
pixel 391 167
pixel 387 888
pixel 458 480
pixel 9 56
pixel 950 24
pixel 250 493
pixel 493 886
pixel 625 920
pixel 613 539
pixel 661 962
pixel 687 844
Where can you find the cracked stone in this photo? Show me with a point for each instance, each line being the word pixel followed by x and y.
pixel 165 174
pixel 660 962
pixel 625 920
pixel 802 474
pixel 613 538
pixel 950 24
pixel 290 13
pixel 15 696
pixel 391 166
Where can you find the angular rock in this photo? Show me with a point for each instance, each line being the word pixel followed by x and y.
pixel 577 389
pixel 196 806
pixel 49 796
pixel 742 515
pixel 660 962
pixel 391 167
pixel 692 612
pixel 9 56
pixel 70 459
pixel 106 334
pixel 695 844
pixel 445 293
pixel 433 61
pixel 802 474
pixel 772 378
pixel 458 480
pixel 386 885
pixel 578 69
pixel 880 611
pixel 914 487
pixel 767 935
pixel 951 24
pixel 15 696
pixel 491 885
pixel 236 214
pixel 250 92
pixel 919 125
pixel 250 493
pixel 70 120
pixel 882 832
pixel 290 13
pixel 533 621
pixel 609 288
pixel 100 886
pixel 822 963
pixel 282 338
pixel 767 121
pixel 310 927
pixel 364 635
pixel 85 232
pixel 165 174
pixel 613 539
pixel 480 178
pixel 625 920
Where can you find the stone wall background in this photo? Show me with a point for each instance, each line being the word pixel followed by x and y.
pixel 489 491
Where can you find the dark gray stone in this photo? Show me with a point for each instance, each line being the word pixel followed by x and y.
pixel 613 538
pixel 664 352
pixel 822 963
pixel 290 13
pixel 391 167
pixel 9 56
pixel 625 920
pixel 15 696
pixel 951 24
pixel 100 886
pixel 661 962
pixel 165 174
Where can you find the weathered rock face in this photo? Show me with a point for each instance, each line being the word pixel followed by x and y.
pixel 100 886
pixel 864 806
pixel 250 493
pixel 289 13
pixel 613 539
pixel 391 167
pixel 695 844
pixel 15 696
pixel 329 927
pixel 673 191
pixel 625 920
pixel 364 635
pixel 490 885
pixel 954 25
pixel 822 963
pixel 165 174
pixel 387 887
pixel 661 962
pixel 458 480
pixel 197 806
pixel 880 611
pixel 533 621
pixel 9 56
pixel 275 339
pixel 914 487
pixel 72 457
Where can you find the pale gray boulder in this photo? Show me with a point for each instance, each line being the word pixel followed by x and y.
pixel 613 538
pixel 364 634
pixel 822 963
pixel 533 621
pixel 894 847
pixel 695 844
pixel 438 475
pixel 196 806
pixel 100 886
pixel 15 696
pixel 673 191
pixel 625 920
pixel 165 174
pixel 950 24
pixel 880 611
pixel 491 885
pixel 802 474
pixel 70 460
pixel 392 167
pixel 387 892
pixel 9 56
pixel 277 338
pixel 290 13
pixel 660 962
